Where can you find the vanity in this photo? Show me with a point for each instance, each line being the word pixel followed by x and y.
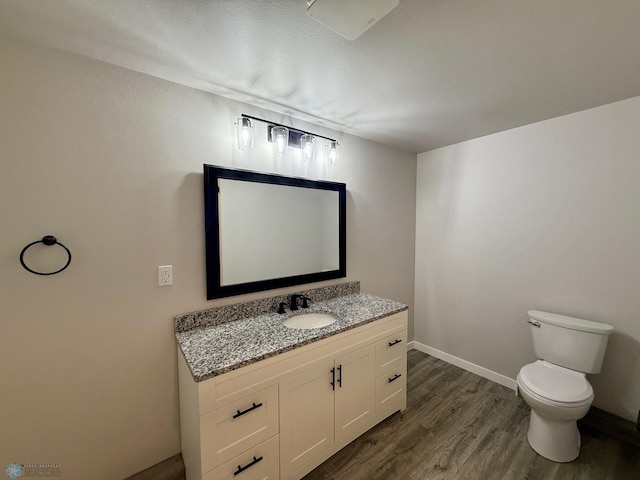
pixel 259 400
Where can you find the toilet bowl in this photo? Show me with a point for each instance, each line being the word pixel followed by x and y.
pixel 558 398
pixel 556 387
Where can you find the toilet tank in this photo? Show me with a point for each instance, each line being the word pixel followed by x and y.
pixel 569 342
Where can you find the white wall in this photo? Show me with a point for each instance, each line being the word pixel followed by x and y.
pixel 110 161
pixel 543 217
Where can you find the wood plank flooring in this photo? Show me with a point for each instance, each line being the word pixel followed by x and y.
pixel 459 426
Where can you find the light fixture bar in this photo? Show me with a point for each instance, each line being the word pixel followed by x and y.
pixel 294 133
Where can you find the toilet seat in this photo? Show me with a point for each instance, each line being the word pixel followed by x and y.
pixel 555 385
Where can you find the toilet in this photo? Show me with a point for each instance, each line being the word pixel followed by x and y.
pixel 556 387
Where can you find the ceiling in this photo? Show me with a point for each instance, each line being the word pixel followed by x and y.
pixel 429 74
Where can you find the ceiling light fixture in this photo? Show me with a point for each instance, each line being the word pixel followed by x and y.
pixel 282 137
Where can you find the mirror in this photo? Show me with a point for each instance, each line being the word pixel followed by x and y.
pixel 265 231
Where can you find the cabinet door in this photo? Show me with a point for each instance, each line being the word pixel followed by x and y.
pixel 355 393
pixel 306 415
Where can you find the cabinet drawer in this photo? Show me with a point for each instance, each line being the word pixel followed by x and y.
pixel 238 426
pixel 258 463
pixel 389 349
pixel 391 388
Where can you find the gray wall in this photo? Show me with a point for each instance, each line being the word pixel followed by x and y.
pixel 543 217
pixel 110 161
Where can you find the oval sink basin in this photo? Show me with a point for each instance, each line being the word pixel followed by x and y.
pixel 309 320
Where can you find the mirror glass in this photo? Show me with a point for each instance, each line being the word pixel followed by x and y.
pixel 267 231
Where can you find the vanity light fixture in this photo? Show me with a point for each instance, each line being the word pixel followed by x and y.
pixel 308 147
pixel 244 132
pixel 280 140
pixel 282 137
pixel 333 152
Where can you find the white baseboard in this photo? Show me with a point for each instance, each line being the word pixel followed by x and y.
pixel 410 345
pixel 464 364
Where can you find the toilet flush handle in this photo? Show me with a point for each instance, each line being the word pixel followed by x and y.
pixel 534 323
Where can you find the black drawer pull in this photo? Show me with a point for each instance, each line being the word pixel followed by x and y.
pixel 248 465
pixel 395 377
pixel 240 413
pixel 391 344
pixel 340 377
pixel 333 379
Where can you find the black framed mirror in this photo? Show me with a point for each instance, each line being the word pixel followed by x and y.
pixel 266 231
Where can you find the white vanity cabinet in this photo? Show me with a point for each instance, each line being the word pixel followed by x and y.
pixel 280 417
pixel 328 403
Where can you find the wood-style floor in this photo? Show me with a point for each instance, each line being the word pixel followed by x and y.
pixel 458 425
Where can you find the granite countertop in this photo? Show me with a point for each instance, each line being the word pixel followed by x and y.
pixel 217 349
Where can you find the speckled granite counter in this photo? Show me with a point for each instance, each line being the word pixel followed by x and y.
pixel 217 349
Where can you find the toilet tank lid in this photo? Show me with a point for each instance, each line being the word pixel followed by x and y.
pixel 571 322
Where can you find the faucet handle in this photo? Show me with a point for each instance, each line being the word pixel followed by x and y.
pixel 281 310
pixel 304 301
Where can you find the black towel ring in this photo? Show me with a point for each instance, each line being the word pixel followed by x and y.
pixel 47 240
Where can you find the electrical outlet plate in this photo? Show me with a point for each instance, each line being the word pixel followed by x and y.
pixel 165 275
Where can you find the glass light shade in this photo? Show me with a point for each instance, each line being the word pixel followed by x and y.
pixel 333 152
pixel 307 147
pixel 280 139
pixel 244 132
